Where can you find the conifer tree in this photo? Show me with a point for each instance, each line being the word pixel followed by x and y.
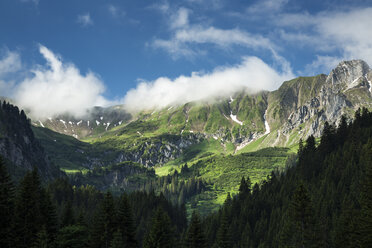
pixel 42 240
pixel 195 237
pixel 28 218
pixel 117 240
pixel 301 214
pixel 73 236
pixel 224 239
pixel 161 232
pixel 126 222
pixel 68 216
pixel 49 216
pixel 6 206
pixel 245 187
pixel 104 223
pixel 365 223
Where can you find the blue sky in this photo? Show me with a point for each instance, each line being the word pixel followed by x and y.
pixel 157 53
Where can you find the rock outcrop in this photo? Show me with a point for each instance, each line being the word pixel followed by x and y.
pixel 345 89
pixel 19 147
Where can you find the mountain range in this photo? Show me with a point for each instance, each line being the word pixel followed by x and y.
pixel 220 139
pixel 241 122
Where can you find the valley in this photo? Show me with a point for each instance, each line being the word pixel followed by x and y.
pixel 219 139
pixel 205 157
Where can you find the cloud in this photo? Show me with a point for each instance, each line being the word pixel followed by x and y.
pixel 85 20
pixel 321 63
pixel 180 44
pixel 267 6
pixel 58 88
pixel 9 63
pixel 345 33
pixel 115 11
pixel 252 74
pixel 180 18
pixel 6 88
pixel 349 31
pixel 210 4
pixel 162 6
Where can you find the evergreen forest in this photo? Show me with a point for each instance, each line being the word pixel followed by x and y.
pixel 323 198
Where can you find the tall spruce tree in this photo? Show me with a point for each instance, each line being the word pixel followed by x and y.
pixel 126 222
pixel 73 236
pixel 28 218
pixel 161 233
pixel 302 217
pixel 104 224
pixel 68 216
pixel 49 217
pixel 117 240
pixel 6 207
pixel 224 239
pixel 195 236
pixel 365 222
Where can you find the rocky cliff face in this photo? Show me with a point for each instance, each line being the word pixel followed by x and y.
pixel 299 108
pixel 19 147
pixel 160 152
pixel 343 91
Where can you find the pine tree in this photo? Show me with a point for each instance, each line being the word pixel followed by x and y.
pixel 245 187
pixel 195 237
pixel 126 222
pixel 6 206
pixel 49 216
pixel 365 222
pixel 73 236
pixel 224 239
pixel 42 240
pixel 302 217
pixel 161 234
pixel 68 217
pixel 117 240
pixel 28 218
pixel 104 223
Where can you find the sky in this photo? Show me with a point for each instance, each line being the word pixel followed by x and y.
pixel 66 56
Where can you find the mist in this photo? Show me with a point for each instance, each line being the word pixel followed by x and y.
pixel 251 74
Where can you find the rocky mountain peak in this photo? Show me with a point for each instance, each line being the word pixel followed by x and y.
pixel 348 72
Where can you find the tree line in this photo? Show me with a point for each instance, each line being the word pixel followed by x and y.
pixel 322 199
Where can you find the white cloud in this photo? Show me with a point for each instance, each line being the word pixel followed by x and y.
pixel 210 4
pixel 59 88
pixel 268 6
pixel 115 11
pixel 179 44
pixel 6 88
pixel 180 18
pixel 347 33
pixel 252 74
pixel 322 63
pixel 162 6
pixel 85 20
pixel 10 62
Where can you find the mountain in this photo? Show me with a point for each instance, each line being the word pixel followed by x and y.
pixel 240 123
pixel 219 139
pixel 323 199
pixel 19 147
pixel 97 120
